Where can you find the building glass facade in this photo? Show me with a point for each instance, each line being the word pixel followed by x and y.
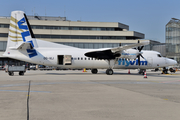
pixel 173 39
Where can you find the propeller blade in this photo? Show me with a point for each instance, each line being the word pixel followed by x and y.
pixel 141 56
pixel 141 48
pixel 138 60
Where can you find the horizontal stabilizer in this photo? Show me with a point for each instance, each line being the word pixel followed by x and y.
pixel 25 46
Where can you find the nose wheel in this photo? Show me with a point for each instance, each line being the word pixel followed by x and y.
pixel 109 72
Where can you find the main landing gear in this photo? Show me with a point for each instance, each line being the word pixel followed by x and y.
pixel 109 72
pixel 94 71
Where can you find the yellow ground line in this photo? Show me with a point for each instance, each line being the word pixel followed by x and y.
pixel 172 74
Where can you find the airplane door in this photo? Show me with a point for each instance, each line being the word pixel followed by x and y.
pixel 150 61
pixel 64 60
pixel 60 59
pixel 67 59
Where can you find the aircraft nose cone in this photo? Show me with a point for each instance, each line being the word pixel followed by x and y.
pixel 172 62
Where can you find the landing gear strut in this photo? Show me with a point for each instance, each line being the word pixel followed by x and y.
pixel 141 71
pixel 110 70
pixel 165 70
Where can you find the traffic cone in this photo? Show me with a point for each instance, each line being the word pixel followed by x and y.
pixel 84 70
pixel 129 71
pixel 145 75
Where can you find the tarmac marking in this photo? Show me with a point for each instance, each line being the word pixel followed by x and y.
pixel 94 82
pixel 166 99
pixel 25 91
pixel 171 81
pixel 172 74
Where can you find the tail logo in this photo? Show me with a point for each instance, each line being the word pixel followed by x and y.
pixel 25 27
pixel 21 31
pixel 15 34
pixel 32 53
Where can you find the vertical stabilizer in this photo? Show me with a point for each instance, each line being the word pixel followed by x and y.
pixel 20 31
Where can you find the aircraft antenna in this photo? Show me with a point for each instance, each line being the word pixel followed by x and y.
pixel 64 11
pixel 45 13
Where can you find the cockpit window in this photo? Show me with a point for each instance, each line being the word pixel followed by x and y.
pixel 159 55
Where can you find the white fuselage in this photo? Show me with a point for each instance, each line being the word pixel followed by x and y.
pixel 22 45
pixel 49 57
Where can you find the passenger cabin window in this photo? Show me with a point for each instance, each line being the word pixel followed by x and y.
pixel 159 55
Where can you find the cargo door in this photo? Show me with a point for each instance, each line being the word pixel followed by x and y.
pixel 64 60
pixel 67 60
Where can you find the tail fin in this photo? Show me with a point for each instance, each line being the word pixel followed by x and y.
pixel 20 31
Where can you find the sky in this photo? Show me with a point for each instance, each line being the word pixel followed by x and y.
pixel 145 16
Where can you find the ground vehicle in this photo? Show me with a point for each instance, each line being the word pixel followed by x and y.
pixel 12 69
pixel 2 68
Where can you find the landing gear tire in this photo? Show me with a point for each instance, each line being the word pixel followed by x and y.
pixel 11 73
pixel 141 71
pixel 109 72
pixel 165 71
pixel 94 71
pixel 21 73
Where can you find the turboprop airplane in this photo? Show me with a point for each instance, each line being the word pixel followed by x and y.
pixel 22 45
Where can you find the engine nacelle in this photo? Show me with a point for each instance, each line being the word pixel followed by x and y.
pixel 129 54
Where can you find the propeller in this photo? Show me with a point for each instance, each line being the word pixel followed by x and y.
pixel 140 53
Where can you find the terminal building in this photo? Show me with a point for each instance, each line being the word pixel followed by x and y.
pixel 173 39
pixel 75 33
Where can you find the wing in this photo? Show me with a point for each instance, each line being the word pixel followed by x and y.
pixel 112 53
